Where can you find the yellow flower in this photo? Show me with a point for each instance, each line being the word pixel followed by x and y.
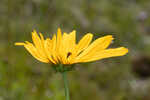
pixel 63 49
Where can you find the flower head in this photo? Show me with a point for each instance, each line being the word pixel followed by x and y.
pixel 63 49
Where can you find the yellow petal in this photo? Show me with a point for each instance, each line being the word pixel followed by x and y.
pixel 48 49
pixel 82 45
pixel 38 43
pixel 19 44
pixel 105 54
pixel 33 51
pixel 36 39
pixel 54 52
pixel 65 48
pixel 71 44
pixel 59 44
pixel 42 38
pixel 54 42
pixel 84 42
pixel 43 45
pixel 98 45
pixel 59 38
pixel 72 36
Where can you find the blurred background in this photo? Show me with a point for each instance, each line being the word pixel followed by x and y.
pixel 123 78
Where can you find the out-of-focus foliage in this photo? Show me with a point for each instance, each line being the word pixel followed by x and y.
pixel 24 78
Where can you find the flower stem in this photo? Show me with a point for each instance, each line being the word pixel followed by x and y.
pixel 64 75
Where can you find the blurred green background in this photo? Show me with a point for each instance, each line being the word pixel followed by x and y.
pixel 123 78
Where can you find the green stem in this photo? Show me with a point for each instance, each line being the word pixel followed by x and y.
pixel 64 74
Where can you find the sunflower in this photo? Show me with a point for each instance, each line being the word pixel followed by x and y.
pixel 63 48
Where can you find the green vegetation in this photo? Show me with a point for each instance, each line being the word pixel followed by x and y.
pixel 24 78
